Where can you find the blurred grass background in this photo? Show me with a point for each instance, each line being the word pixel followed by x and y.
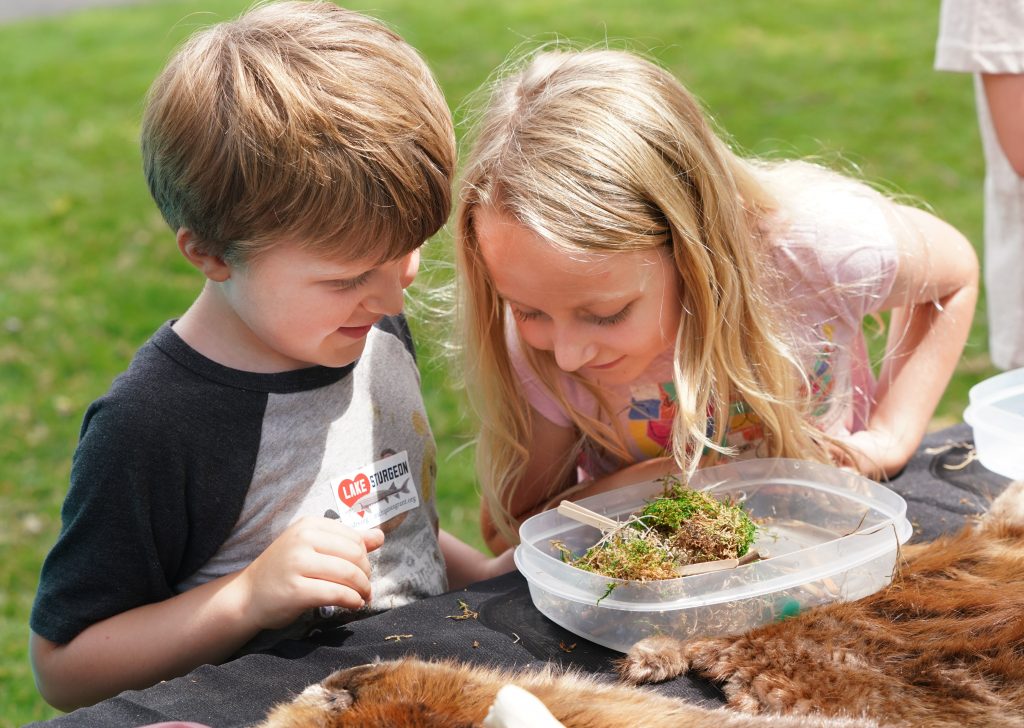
pixel 88 269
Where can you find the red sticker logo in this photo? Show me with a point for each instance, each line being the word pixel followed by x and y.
pixel 349 491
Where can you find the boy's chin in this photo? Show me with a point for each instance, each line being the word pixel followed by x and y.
pixel 343 356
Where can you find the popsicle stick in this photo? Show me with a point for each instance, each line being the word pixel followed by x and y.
pixel 706 567
pixel 586 516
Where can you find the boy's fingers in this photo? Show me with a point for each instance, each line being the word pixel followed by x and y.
pixel 339 572
pixel 345 597
pixel 373 539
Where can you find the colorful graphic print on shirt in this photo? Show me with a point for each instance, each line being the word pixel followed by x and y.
pixel 821 377
pixel 653 407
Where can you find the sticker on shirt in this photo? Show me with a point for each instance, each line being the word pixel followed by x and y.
pixel 376 493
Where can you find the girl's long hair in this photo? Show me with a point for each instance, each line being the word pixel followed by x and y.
pixel 603 151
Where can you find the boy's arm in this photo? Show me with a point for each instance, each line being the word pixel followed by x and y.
pixel 466 565
pixel 316 561
pixel 140 647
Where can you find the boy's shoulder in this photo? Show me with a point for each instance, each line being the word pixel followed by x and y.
pixel 167 377
pixel 398 326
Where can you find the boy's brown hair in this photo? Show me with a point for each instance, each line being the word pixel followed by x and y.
pixel 300 122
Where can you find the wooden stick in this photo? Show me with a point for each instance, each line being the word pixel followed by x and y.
pixel 706 567
pixel 586 516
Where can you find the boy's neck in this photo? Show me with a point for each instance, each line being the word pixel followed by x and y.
pixel 212 328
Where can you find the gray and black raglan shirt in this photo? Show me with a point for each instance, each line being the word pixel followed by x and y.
pixel 187 470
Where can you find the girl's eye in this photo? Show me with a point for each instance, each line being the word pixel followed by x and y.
pixel 350 283
pixel 522 315
pixel 615 318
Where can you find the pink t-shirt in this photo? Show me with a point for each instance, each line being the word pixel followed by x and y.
pixel 837 257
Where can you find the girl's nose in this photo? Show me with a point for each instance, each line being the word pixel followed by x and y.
pixel 572 351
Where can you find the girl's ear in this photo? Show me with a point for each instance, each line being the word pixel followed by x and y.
pixel 212 266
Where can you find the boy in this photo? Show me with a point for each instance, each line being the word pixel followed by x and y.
pixel 302 154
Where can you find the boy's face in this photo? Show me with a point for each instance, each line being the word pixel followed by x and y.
pixel 294 309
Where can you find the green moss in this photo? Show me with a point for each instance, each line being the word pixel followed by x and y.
pixel 681 527
pixel 697 525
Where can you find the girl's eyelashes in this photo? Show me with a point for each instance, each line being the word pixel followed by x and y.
pixel 615 318
pixel 522 315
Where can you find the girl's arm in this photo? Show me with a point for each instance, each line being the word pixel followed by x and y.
pixel 550 448
pixel 932 304
pixel 465 565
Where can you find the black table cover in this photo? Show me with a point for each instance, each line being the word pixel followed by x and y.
pixel 943 486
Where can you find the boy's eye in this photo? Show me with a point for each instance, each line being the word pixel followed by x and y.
pixel 346 284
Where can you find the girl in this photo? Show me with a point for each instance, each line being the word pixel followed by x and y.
pixel 637 299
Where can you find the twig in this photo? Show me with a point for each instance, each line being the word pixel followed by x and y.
pixel 467 613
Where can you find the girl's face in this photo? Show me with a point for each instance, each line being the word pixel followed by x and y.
pixel 605 316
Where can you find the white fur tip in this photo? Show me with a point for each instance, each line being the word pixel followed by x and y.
pixel 514 707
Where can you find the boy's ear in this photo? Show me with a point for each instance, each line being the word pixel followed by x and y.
pixel 212 266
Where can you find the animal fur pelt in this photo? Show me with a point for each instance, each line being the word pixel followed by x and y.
pixel 414 693
pixel 943 645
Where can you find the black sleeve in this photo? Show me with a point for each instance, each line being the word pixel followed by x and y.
pixel 158 480
pixel 107 558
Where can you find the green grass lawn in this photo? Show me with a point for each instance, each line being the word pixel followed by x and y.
pixel 88 270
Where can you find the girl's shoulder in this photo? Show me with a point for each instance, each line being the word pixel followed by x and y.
pixel 830 236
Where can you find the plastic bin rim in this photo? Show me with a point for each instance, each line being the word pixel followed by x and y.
pixel 764 587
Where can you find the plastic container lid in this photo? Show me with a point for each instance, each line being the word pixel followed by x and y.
pixel 996 415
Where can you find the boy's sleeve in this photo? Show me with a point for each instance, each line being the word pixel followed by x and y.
pixel 118 546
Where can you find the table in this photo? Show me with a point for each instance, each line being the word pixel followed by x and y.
pixel 942 484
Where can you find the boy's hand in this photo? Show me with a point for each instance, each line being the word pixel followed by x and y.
pixel 315 562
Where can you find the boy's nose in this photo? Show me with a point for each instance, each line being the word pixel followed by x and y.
pixel 388 297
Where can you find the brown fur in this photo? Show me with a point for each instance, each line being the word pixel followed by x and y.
pixel 411 692
pixel 942 646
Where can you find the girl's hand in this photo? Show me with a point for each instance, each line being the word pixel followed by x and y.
pixel 874 453
pixel 315 562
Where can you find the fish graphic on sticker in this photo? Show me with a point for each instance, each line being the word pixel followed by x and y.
pixel 378 494
pixel 394 491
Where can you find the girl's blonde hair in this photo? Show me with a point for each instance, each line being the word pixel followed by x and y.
pixel 605 151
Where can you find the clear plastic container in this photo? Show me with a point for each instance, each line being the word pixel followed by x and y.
pixel 996 414
pixel 828 534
